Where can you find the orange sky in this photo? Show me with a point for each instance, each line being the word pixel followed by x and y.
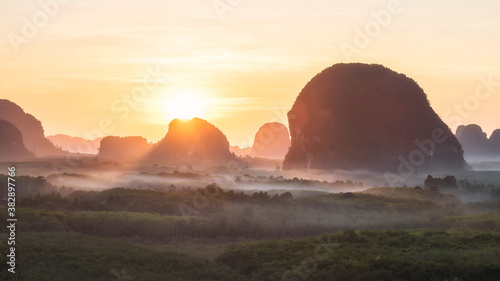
pixel 75 64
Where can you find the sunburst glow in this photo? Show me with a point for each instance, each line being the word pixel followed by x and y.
pixel 185 105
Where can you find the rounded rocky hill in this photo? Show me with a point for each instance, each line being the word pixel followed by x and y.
pixel 11 143
pixel 360 116
pixel 473 140
pixel 494 142
pixel 192 139
pixel 271 141
pixel 495 136
pixel 123 148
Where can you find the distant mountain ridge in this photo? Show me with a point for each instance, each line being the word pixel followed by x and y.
pixel 241 152
pixel 76 144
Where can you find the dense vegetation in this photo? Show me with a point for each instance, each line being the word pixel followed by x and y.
pixel 349 255
pixel 379 234
pixel 212 212
pixel 63 256
pixel 371 255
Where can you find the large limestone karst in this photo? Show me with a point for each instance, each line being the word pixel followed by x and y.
pixel 11 143
pixel 360 116
pixel 473 140
pixel 30 127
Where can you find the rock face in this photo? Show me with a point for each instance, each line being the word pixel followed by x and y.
pixel 76 144
pixel 271 141
pixel 192 139
pixel 11 143
pixel 475 142
pixel 495 142
pixel 123 148
pixel 30 127
pixel 359 116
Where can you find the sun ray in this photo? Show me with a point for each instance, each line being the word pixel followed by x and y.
pixel 184 105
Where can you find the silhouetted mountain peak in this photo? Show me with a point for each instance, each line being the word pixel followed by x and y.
pixel 30 127
pixel 192 139
pixel 471 131
pixel 475 142
pixel 76 144
pixel 360 116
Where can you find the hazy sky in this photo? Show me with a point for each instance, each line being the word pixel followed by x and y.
pixel 75 64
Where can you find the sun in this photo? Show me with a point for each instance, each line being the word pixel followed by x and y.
pixel 184 105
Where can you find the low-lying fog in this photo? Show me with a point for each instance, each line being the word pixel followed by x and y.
pixel 87 174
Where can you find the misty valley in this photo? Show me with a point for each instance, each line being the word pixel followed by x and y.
pixel 99 220
pixel 354 188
